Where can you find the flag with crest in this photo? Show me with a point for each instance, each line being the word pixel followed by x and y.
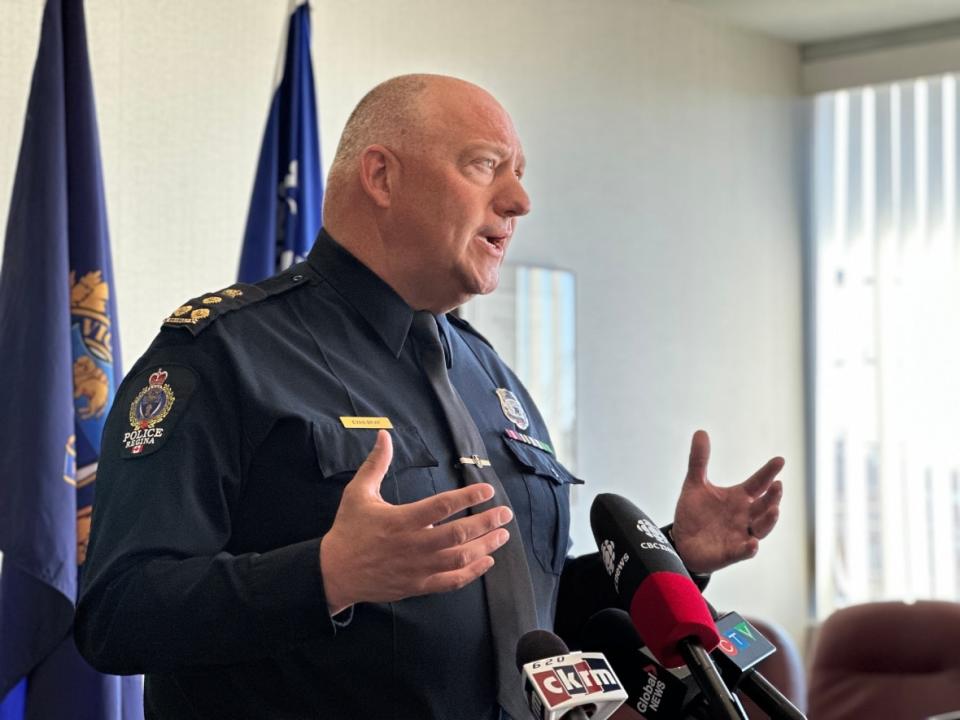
pixel 60 363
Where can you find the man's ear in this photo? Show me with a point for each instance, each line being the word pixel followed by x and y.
pixel 378 174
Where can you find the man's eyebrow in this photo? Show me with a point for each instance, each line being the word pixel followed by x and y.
pixel 502 150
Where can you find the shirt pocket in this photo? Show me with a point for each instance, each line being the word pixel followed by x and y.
pixel 341 451
pixel 548 489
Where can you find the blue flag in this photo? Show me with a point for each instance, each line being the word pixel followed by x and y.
pixel 60 360
pixel 285 215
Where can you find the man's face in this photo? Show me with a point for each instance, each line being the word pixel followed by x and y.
pixel 459 196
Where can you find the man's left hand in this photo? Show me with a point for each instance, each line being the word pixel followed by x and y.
pixel 717 526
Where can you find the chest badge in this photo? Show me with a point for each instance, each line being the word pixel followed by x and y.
pixel 512 408
pixel 148 409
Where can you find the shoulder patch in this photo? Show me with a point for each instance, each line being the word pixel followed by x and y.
pixel 467 327
pixel 157 397
pixel 199 313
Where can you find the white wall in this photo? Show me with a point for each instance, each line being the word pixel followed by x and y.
pixel 663 164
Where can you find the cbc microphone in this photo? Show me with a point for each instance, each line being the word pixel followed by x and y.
pixel 564 685
pixel 652 690
pixel 665 605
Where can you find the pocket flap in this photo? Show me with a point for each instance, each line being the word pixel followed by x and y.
pixel 540 462
pixel 341 450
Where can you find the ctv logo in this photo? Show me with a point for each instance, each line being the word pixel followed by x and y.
pixel 589 676
pixel 737 638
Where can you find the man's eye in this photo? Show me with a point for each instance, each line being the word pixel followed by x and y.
pixel 487 163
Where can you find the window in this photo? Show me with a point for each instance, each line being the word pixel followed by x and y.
pixel 885 270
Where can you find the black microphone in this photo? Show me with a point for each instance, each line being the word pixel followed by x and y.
pixel 652 690
pixel 564 685
pixel 665 605
pixel 742 647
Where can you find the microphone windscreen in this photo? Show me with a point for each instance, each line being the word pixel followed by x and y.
pixel 668 607
pixel 537 645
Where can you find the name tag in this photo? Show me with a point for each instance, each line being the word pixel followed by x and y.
pixel 367 423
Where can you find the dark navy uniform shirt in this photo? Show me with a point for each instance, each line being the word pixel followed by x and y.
pixel 222 466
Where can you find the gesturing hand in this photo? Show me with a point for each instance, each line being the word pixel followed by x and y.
pixel 717 526
pixel 378 552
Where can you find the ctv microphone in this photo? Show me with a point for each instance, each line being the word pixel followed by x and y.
pixel 652 690
pixel 564 685
pixel 742 647
pixel 664 603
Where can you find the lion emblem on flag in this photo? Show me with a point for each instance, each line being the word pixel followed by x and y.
pixel 90 382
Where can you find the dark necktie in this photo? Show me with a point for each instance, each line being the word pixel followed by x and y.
pixel 508 586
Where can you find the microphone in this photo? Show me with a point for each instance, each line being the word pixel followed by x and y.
pixel 652 690
pixel 564 685
pixel 742 647
pixel 665 605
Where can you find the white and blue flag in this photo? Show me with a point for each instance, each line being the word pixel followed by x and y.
pixel 284 216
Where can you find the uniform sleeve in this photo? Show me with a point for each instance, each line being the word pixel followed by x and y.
pixel 159 592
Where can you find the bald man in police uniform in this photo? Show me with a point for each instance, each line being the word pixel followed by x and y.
pixel 281 529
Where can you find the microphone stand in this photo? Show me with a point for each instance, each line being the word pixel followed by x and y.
pixel 722 703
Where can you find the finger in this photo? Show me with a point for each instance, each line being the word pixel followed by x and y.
pixel 439 507
pixel 699 457
pixel 461 556
pixel 456 579
pixel 771 498
pixel 749 549
pixel 761 526
pixel 370 474
pixel 757 483
pixel 463 530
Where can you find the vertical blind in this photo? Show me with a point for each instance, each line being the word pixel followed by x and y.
pixel 886 343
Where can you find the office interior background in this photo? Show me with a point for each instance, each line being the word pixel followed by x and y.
pixel 690 164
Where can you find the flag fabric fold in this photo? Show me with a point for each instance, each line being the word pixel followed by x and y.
pixel 285 206
pixel 60 360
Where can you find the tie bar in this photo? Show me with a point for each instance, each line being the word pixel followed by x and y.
pixel 475 460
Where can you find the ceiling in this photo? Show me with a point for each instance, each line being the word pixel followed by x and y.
pixel 813 21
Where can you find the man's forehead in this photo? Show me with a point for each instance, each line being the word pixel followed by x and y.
pixel 455 104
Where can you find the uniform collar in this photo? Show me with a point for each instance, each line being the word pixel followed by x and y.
pixel 379 304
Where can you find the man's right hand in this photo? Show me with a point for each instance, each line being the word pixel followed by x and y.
pixel 379 552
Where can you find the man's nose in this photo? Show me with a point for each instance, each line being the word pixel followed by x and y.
pixel 512 200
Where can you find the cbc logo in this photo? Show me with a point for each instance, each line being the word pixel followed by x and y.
pixel 651 530
pixel 607 550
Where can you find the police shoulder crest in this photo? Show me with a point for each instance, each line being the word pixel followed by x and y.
pixel 159 398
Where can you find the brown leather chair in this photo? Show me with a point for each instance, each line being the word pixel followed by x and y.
pixel 887 660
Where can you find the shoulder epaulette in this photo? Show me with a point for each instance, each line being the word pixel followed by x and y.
pixel 199 313
pixel 464 325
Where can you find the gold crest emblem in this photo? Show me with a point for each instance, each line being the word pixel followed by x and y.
pixel 212 300
pixel 182 310
pixel 90 294
pixel 88 305
pixel 232 292
pixel 90 382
